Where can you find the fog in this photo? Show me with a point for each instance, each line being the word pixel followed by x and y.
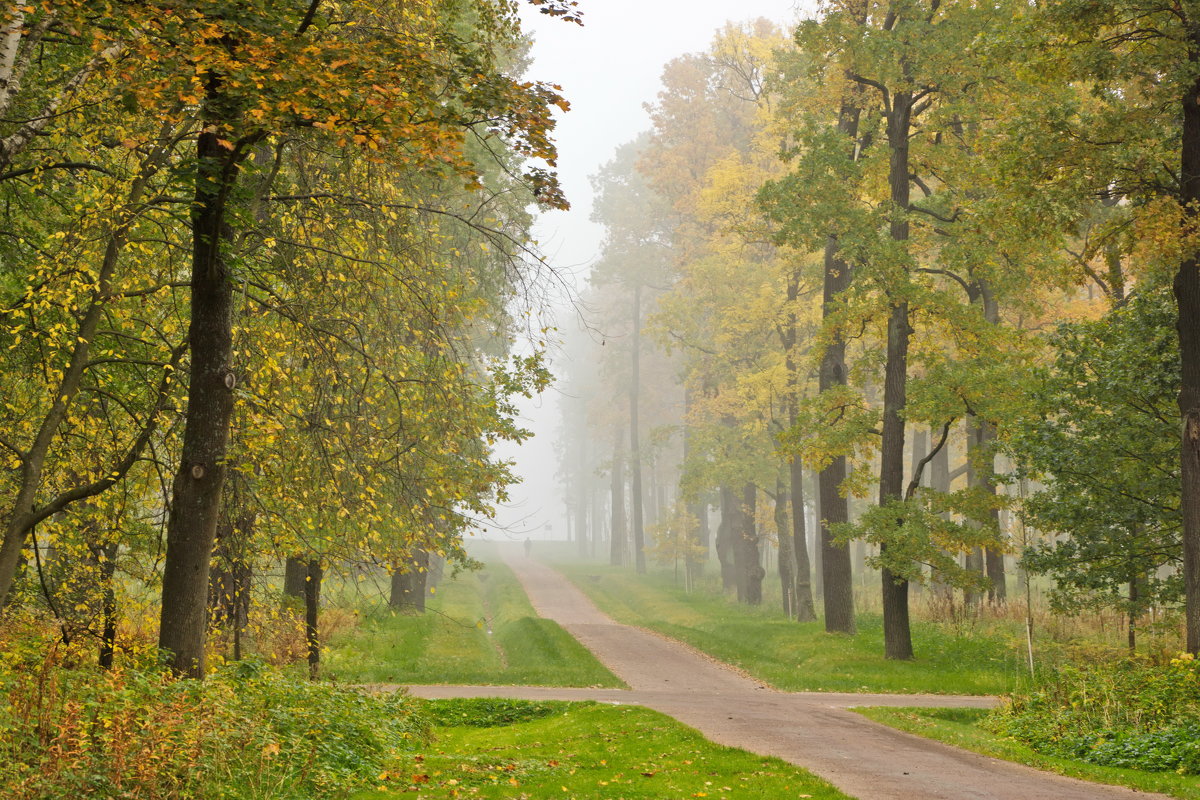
pixel 608 69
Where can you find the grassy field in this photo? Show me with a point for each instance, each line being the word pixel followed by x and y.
pixel 587 750
pixel 478 629
pixel 801 656
pixel 960 727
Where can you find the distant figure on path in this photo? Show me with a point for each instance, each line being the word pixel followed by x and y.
pixel 528 547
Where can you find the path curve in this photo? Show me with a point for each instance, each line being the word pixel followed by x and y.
pixel 813 730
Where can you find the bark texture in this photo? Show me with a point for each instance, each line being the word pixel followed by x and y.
pixel 196 490
pixel 1187 297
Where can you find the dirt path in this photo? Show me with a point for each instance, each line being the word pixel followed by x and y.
pixel 811 730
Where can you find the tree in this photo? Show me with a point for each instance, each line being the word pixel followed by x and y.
pixel 1100 438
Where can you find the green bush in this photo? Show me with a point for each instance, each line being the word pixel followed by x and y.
pixel 70 730
pixel 1130 714
pixel 490 712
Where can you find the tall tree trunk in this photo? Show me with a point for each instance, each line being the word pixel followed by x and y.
pixel 836 580
pixel 975 563
pixel 617 535
pixel 801 585
pixel 312 612
pixel 897 638
pixel 750 571
pixel 818 566
pixel 635 450
pixel 787 558
pixel 986 433
pixel 581 500
pixel 196 492
pixel 1187 298
pixel 727 531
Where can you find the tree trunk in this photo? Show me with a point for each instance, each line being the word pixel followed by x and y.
pixel 787 558
pixel 818 565
pixel 975 562
pixel 920 449
pixel 196 492
pixel 897 638
pixel 106 556
pixel 836 580
pixel 801 585
pixel 726 533
pixel 804 610
pixel 409 584
pixel 582 536
pixel 750 571
pixel 312 611
pixel 294 570
pixel 1187 298
pixel 635 451
pixel 939 481
pixel 617 535
pixel 986 432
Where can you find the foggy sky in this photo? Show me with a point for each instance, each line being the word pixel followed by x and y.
pixel 608 69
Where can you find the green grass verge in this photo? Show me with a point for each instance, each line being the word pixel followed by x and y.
pixel 960 727
pixel 588 750
pixel 478 629
pixel 802 656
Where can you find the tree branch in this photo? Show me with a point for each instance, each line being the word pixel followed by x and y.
pixel 916 478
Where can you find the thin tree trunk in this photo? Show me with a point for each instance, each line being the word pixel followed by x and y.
pixel 727 532
pixel 312 611
pixel 939 481
pixel 635 450
pixel 787 558
pixel 617 535
pixel 581 500
pixel 106 557
pixel 1134 611
pixel 26 510
pixel 975 564
pixel 985 433
pixel 920 449
pixel 804 610
pixel 1187 298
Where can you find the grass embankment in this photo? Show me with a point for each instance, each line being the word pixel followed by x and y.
pixel 478 629
pixel 961 727
pixel 801 656
pixel 582 750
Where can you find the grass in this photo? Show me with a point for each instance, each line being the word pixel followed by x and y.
pixel 961 727
pixel 801 656
pixel 588 750
pixel 478 629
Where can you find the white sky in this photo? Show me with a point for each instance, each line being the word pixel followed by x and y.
pixel 608 70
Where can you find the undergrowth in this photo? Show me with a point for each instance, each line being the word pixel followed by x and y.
pixel 1131 713
pixel 70 730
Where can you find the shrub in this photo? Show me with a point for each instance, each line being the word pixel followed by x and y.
pixel 1129 714
pixel 70 730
